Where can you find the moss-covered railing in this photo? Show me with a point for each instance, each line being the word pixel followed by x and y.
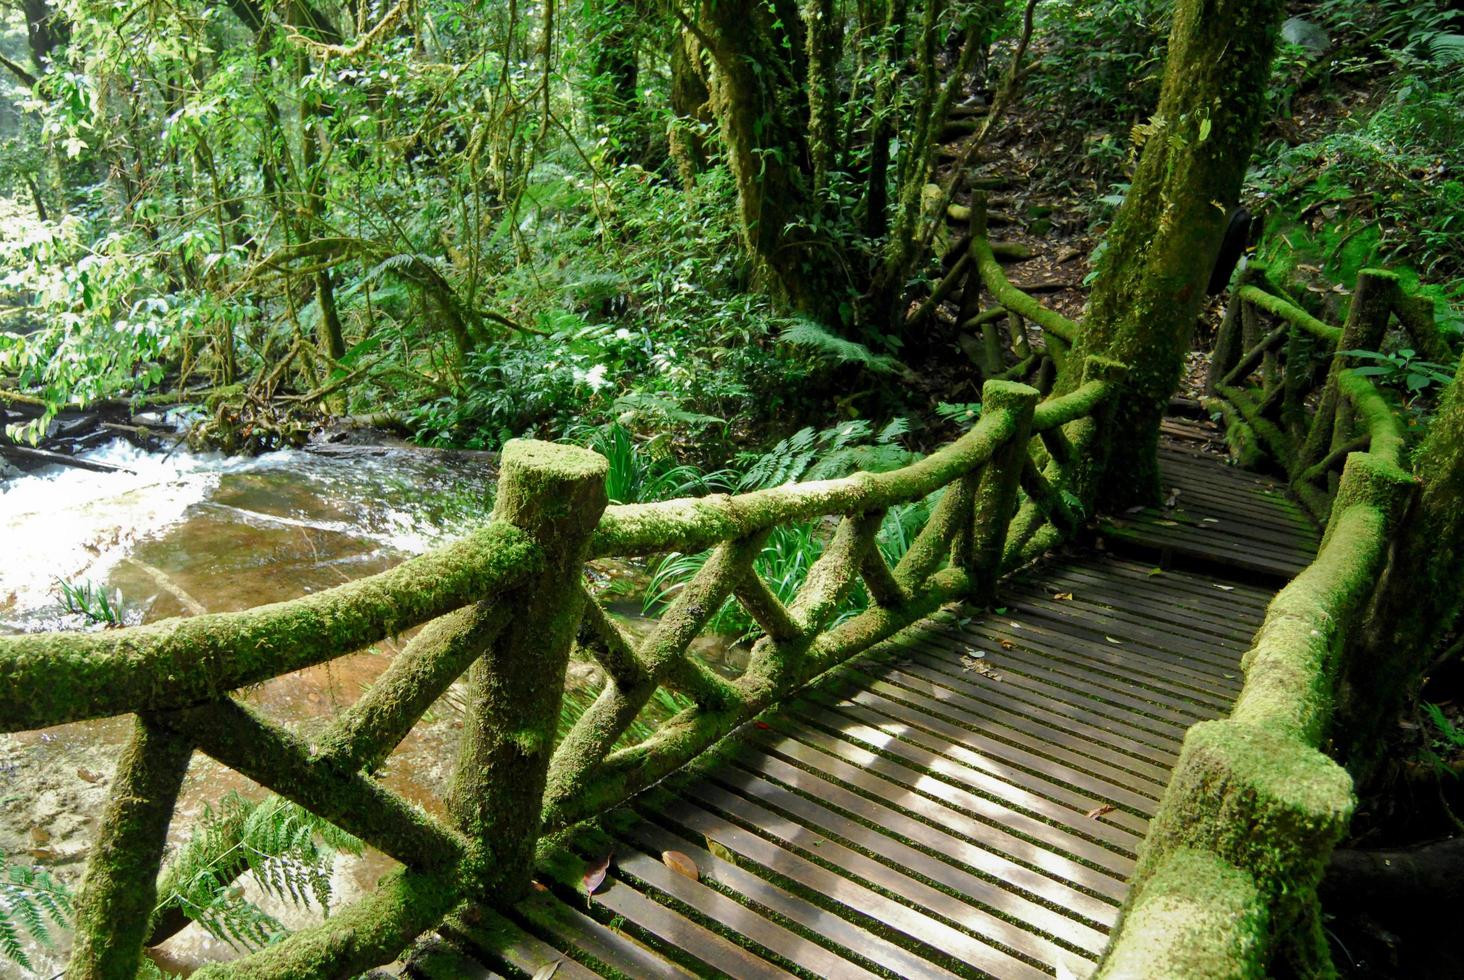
pixel 506 605
pixel 1282 379
pixel 1226 879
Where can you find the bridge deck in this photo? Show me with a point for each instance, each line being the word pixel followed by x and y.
pixel 1217 515
pixel 967 801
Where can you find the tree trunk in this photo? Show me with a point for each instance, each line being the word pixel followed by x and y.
pixel 614 99
pixel 759 97
pixel 1164 240
pixel 1419 599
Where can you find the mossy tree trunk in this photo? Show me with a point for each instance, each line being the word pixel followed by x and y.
pixel 1419 600
pixel 614 68
pixel 691 106
pixel 1165 238
pixel 758 94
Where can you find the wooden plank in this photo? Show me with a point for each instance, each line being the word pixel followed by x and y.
pixel 1185 545
pixel 1028 729
pixel 1020 923
pixel 1117 668
pixel 1081 629
pixel 850 939
pixel 575 930
pixel 1019 809
pixel 979 947
pixel 1060 783
pixel 1161 734
pixel 1223 529
pixel 952 806
pixel 780 859
pixel 1237 624
pixel 1158 592
pixel 753 926
pixel 1026 657
pixel 498 941
pixel 1237 591
pixel 1144 655
pixel 899 827
pixel 1085 727
pixel 714 952
pixel 1053 760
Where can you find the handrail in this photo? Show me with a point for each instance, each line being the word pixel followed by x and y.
pixel 1228 871
pixel 505 605
pixel 54 678
pixel 1014 299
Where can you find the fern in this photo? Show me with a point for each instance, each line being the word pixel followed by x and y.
pixel 814 338
pixel 791 550
pixel 827 454
pixel 285 848
pixel 32 903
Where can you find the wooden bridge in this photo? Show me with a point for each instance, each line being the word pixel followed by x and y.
pixel 966 799
pixel 999 767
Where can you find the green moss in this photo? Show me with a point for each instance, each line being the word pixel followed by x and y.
pixel 690 525
pixel 1197 917
pixel 51 678
pixel 354 939
pixel 117 896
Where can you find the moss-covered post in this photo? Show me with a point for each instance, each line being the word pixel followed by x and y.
pixel 1249 799
pixel 1229 339
pixel 1164 240
pixel 120 888
pixel 557 494
pixel 1419 598
pixel 1367 321
pixel 996 493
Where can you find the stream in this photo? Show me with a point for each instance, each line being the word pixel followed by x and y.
pixel 183 533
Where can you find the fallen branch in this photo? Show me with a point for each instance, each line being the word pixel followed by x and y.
pixel 45 456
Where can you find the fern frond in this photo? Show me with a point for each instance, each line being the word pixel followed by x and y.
pixel 33 902
pixel 814 338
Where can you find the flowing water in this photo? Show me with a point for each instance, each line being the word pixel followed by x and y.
pixel 183 533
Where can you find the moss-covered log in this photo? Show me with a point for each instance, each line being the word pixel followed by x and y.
pixel 120 887
pixel 52 678
pixel 1420 598
pixel 1167 233
pixel 690 525
pixel 556 494
pixel 1197 917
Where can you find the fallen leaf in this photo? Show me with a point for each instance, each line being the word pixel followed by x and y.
pixel 1210 520
pixel 1155 571
pixel 762 724
pixel 681 864
pixel 88 775
pixel 1063 595
pixel 720 851
pixel 1136 509
pixel 1111 639
pixel 538 886
pixel 43 854
pixel 1007 644
pixel 595 874
pixel 1227 588
pixel 1099 811
pixel 547 970
pixel 40 835
pixel 1165 523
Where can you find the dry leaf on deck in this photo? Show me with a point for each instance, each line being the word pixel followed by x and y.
pixel 1099 811
pixel 595 874
pixel 681 864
